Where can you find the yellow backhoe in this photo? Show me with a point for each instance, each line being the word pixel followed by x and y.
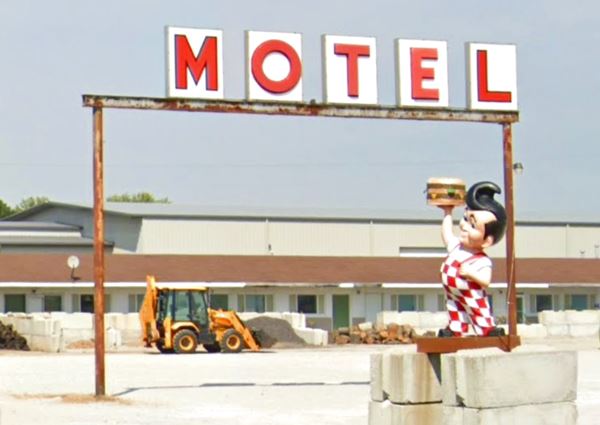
pixel 176 318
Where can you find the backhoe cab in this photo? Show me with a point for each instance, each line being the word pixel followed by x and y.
pixel 176 318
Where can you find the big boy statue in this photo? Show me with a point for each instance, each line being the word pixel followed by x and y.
pixel 467 270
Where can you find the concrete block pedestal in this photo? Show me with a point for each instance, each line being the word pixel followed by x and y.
pixel 530 385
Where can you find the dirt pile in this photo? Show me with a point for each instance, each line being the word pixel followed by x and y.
pixel 11 340
pixel 272 332
pixel 390 334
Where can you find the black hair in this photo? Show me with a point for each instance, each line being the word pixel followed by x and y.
pixel 480 197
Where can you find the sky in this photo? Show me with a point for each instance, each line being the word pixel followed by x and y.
pixel 54 52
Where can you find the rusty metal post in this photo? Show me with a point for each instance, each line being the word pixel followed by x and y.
pixel 99 250
pixel 510 229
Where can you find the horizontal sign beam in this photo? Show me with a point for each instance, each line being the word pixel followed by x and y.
pixel 311 109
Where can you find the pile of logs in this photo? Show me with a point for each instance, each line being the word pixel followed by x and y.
pixel 365 333
pixel 11 340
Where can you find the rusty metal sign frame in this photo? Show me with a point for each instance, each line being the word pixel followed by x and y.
pixel 311 109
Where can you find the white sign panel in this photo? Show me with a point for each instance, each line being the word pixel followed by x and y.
pixel 350 70
pixel 273 66
pixel 492 76
pixel 421 73
pixel 194 63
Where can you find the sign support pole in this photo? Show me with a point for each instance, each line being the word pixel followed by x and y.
pixel 99 250
pixel 510 229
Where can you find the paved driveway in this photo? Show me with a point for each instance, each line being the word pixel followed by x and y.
pixel 324 386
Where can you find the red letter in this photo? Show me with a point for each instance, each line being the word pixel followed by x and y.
pixel 483 93
pixel 352 52
pixel 258 59
pixel 419 74
pixel 206 59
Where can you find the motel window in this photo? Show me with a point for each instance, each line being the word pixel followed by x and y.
pixel 307 303
pixel 52 303
pixel 408 302
pixel 135 302
pixel 255 303
pixel 577 302
pixel 219 301
pixel 84 303
pixel 541 302
pixel 14 303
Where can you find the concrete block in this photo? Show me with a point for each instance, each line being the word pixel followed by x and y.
pixel 384 318
pixel 411 377
pixel 532 414
pixel 448 367
pixel 46 343
pixel 40 326
pixel 417 414
pixel 380 413
pixel 78 321
pixel 490 378
pixel 23 325
pixel 583 330
pixel 132 322
pixel 585 317
pixel 376 381
pixel 131 338
pixel 549 317
pixel 312 336
pixel 114 321
pixel 73 335
pixel 412 318
pixel 532 331
pixel 561 330
pixel 433 320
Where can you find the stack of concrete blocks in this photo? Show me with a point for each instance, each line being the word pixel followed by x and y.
pixel 421 321
pixel 571 323
pixel 42 333
pixel 405 388
pixel 474 387
pixel 126 328
pixel 298 323
pixel 53 332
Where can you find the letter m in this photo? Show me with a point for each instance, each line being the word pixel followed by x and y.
pixel 205 61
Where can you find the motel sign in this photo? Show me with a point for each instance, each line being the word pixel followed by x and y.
pixel 274 70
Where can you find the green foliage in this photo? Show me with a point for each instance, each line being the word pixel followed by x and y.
pixel 137 197
pixel 31 202
pixel 5 209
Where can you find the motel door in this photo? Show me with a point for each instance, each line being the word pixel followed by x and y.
pixel 341 311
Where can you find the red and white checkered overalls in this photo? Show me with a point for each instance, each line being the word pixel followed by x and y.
pixel 467 302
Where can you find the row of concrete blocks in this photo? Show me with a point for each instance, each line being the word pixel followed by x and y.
pixel 53 332
pixel 567 323
pixel 570 323
pixel 474 387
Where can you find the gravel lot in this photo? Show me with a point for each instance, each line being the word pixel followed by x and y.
pixel 324 386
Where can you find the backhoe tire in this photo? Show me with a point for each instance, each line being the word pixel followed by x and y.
pixel 212 348
pixel 185 342
pixel 232 342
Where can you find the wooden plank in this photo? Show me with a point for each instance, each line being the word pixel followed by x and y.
pixel 452 345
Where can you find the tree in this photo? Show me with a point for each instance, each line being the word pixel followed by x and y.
pixel 137 197
pixel 5 209
pixel 31 202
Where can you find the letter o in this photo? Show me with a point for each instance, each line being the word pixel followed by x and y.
pixel 258 59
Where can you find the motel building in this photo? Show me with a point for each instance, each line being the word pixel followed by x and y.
pixel 338 267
